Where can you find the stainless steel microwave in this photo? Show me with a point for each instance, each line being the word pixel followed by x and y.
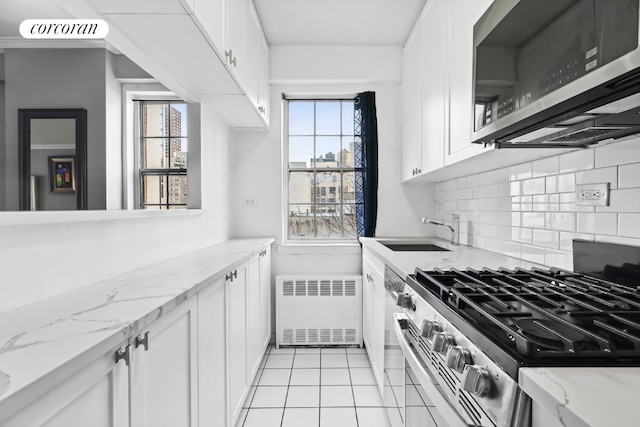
pixel 556 73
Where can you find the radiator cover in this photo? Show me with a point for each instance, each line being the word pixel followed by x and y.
pixel 318 310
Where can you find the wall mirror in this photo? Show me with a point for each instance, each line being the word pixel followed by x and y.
pixel 52 146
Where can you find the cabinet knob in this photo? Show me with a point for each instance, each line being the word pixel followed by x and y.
pixel 123 354
pixel 143 340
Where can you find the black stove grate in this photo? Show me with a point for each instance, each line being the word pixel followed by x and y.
pixel 544 317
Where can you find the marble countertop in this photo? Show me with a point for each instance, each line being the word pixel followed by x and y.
pixel 575 397
pixel 51 339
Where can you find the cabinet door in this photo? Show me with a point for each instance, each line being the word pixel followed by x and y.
pixel 373 309
pixel 96 395
pixel 210 13
pixel 411 106
pixel 237 340
pixel 254 340
pixel 236 39
pixel 262 68
pixel 460 73
pixel 163 375
pixel 434 54
pixel 212 382
pixel 253 32
pixel 265 298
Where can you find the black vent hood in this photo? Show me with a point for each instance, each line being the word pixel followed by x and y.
pixel 561 76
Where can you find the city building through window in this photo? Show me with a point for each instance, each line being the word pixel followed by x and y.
pixel 322 177
pixel 163 155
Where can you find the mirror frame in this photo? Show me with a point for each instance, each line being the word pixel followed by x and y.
pixel 24 150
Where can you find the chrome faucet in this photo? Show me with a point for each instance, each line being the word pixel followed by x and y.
pixel 455 227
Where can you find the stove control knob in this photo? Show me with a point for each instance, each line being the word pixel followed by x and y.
pixel 405 301
pixel 429 328
pixel 442 341
pixel 458 357
pixel 476 380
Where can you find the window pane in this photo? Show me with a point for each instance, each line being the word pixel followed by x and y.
pixel 154 189
pixel 178 119
pixel 178 153
pixel 301 221
pixel 300 187
pixel 347 117
pixel 178 189
pixel 327 151
pixel 346 158
pixel 348 186
pixel 154 153
pixel 154 120
pixel 301 118
pixel 329 221
pixel 328 118
pixel 300 151
pixel 349 220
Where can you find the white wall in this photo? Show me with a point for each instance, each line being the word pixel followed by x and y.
pixel 529 211
pixel 47 253
pixel 257 156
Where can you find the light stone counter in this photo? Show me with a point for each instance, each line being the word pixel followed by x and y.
pixel 568 397
pixel 49 340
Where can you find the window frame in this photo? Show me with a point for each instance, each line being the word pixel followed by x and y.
pixel 337 179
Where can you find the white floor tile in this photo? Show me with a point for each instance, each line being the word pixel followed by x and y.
pixel 247 401
pixel 354 350
pixel 372 417
pixel 282 350
pixel 336 395
pixel 298 417
pixel 303 397
pixel 306 361
pixel 267 417
pixel 334 417
pixel 358 361
pixel 421 413
pixel 305 377
pixel 308 350
pixel 414 398
pixel 338 350
pixel 362 376
pixel 367 395
pixel 279 361
pixel 338 376
pixel 269 397
pixel 275 376
pixel 333 360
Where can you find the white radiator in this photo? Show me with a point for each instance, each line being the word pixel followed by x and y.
pixel 318 310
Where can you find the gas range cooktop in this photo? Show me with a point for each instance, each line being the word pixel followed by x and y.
pixel 544 317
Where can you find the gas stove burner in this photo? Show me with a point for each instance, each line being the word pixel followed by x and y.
pixel 549 334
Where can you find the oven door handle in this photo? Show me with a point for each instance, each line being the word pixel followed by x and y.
pixel 426 380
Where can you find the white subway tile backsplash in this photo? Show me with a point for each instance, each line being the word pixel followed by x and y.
pixel 566 239
pixel 577 160
pixel 566 182
pixel 546 239
pixel 533 219
pixel 549 166
pixel 597 223
pixel 602 175
pixel 521 171
pixel 629 176
pixel 560 221
pixel 619 153
pixel 629 225
pixel 530 210
pixel 533 186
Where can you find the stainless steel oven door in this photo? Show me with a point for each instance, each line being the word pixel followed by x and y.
pixel 394 369
pixel 425 403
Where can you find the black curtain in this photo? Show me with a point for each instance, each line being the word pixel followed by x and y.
pixel 366 163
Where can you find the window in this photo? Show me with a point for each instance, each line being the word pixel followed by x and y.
pixel 163 155
pixel 321 139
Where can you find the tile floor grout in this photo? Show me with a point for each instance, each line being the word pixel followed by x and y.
pixel 272 351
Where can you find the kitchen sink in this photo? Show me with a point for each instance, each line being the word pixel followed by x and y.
pixel 415 247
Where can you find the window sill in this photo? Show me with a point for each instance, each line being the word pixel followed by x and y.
pixel 319 248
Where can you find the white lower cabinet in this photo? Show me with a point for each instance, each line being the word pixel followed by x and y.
pixel 97 395
pixel 191 367
pixel 373 313
pixel 164 372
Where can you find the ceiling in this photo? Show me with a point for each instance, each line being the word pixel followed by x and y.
pixel 338 22
pixel 13 12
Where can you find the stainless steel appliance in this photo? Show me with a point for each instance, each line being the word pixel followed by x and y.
pixel 467 332
pixel 556 73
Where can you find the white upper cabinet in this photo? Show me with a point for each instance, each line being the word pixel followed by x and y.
pixel 411 106
pixel 210 14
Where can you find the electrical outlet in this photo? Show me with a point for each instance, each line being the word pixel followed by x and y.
pixel 592 194
pixel 249 202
